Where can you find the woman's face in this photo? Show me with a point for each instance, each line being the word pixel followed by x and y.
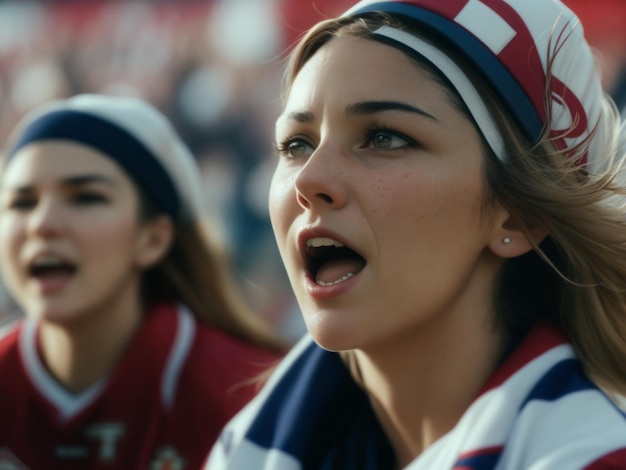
pixel 378 198
pixel 70 238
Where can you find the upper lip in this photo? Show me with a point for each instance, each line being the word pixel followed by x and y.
pixel 318 232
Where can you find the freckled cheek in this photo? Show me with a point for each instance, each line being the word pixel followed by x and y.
pixel 453 211
pixel 424 204
pixel 404 198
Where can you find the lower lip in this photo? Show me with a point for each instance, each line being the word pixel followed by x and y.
pixel 326 292
pixel 52 284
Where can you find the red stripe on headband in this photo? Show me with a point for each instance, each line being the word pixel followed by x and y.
pixel 522 59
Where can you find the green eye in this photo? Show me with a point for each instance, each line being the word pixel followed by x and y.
pixel 381 139
pixel 295 148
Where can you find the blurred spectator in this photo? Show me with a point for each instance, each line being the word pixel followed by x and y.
pixel 132 326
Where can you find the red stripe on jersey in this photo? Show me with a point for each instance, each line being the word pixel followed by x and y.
pixel 480 452
pixel 541 339
pixel 616 460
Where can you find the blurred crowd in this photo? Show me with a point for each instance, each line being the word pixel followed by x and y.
pixel 214 68
pixel 604 22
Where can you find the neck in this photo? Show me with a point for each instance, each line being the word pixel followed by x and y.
pixel 422 384
pixel 80 354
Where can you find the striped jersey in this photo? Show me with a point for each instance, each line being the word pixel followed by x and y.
pixel 538 411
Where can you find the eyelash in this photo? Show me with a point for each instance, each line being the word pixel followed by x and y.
pixel 283 146
pixel 373 131
pixel 86 197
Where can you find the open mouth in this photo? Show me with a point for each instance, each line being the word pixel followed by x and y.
pixel 329 262
pixel 46 267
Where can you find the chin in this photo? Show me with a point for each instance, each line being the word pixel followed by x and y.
pixel 52 314
pixel 333 337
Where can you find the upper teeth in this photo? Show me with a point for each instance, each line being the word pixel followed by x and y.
pixel 322 241
pixel 47 261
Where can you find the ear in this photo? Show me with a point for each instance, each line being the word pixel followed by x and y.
pixel 508 237
pixel 154 241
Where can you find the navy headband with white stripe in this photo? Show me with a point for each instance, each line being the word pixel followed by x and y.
pixel 115 142
pixel 495 72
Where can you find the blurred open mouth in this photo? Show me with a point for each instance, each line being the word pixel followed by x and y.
pixel 51 272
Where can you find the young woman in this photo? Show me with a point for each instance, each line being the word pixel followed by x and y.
pixel 448 205
pixel 135 349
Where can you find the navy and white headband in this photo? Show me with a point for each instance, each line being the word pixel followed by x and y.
pixel 133 134
pixel 512 42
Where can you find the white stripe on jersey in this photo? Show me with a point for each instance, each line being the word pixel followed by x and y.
pixel 67 404
pixel 185 331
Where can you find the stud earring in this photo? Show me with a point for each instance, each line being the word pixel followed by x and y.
pixel 506 240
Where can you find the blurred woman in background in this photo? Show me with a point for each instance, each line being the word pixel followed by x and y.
pixel 136 347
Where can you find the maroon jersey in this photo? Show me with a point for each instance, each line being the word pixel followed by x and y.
pixel 162 407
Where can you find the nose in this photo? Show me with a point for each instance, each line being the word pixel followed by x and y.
pixel 46 219
pixel 322 180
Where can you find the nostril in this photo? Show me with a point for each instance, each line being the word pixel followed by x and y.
pixel 325 197
pixel 302 201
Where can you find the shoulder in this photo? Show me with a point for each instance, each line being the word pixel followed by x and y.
pixel 540 410
pixel 203 347
pixel 11 361
pixel 574 431
pixel 238 446
pixel 310 389
pixel 566 421
pixel 223 369
pixel 228 367
pixel 220 347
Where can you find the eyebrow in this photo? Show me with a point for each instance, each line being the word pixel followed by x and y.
pixel 371 107
pixel 73 181
pixel 80 180
pixel 364 108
